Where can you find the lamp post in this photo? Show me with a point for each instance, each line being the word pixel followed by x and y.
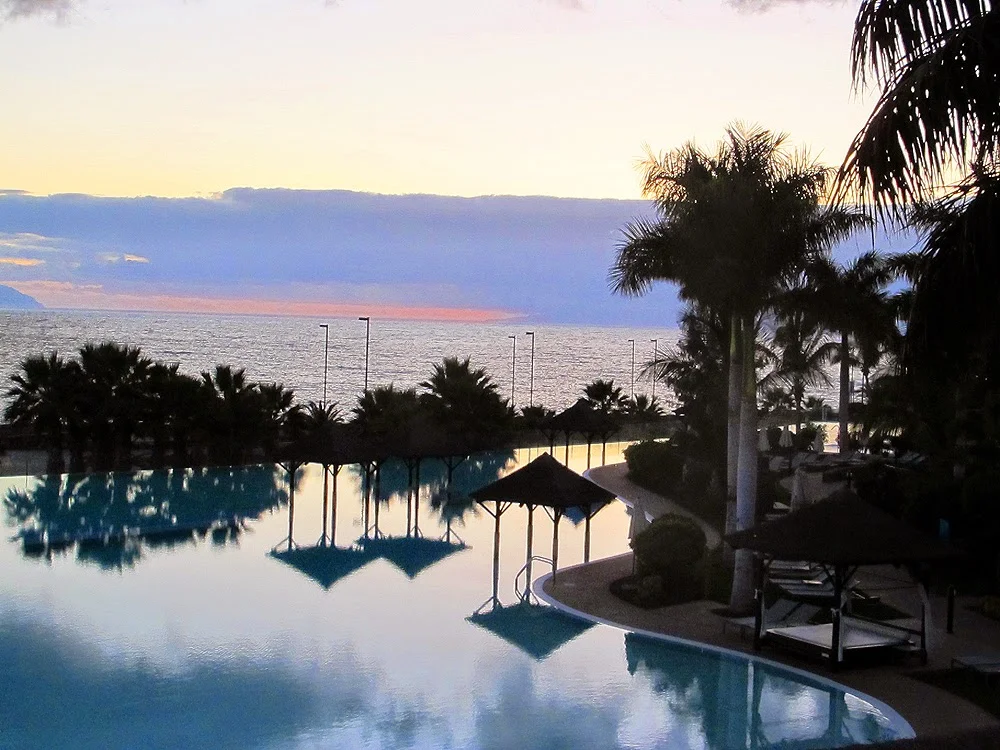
pixel 531 377
pixel 652 374
pixel 631 387
pixel 513 364
pixel 326 358
pixel 368 331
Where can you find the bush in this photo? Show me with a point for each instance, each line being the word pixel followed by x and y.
pixel 670 544
pixel 805 436
pixel 670 563
pixel 658 466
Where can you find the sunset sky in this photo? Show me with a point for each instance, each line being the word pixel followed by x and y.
pixel 190 98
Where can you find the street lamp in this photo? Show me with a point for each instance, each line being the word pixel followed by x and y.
pixel 631 388
pixel 531 378
pixel 513 363
pixel 652 374
pixel 368 332
pixel 326 358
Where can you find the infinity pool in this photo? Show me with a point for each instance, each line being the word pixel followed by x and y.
pixel 207 639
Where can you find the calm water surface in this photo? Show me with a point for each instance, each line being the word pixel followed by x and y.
pixel 291 350
pixel 214 642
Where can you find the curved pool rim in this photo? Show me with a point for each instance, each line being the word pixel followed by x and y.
pixel 900 725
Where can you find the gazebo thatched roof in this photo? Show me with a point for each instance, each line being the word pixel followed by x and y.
pixel 583 418
pixel 536 630
pixel 841 530
pixel 545 482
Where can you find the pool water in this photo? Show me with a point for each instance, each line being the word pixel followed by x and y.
pixel 210 640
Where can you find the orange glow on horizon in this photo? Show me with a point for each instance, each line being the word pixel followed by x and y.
pixel 65 295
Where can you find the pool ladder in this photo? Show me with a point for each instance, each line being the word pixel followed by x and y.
pixel 525 593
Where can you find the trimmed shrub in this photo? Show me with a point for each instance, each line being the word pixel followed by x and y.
pixel 670 544
pixel 656 465
pixel 670 562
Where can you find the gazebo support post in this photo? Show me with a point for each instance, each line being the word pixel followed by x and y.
pixel 366 483
pixel 291 502
pixel 291 467
pixel 334 470
pixel 837 635
pixel 567 449
pixel 326 489
pixel 589 445
pixel 416 497
pixel 557 514
pixel 586 534
pixel 528 551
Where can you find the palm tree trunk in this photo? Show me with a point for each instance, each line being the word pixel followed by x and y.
pixel 733 419
pixel 742 595
pixel 845 392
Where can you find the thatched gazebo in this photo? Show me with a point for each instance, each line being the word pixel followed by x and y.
pixel 840 534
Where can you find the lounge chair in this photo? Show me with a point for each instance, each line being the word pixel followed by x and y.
pixel 987 664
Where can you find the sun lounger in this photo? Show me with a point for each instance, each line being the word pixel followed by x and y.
pixel 985 663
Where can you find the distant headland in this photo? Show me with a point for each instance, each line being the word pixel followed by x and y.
pixel 11 299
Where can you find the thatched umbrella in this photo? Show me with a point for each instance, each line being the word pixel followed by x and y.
pixel 548 484
pixel 411 554
pixel 841 532
pixel 535 629
pixel 325 565
pixel 582 418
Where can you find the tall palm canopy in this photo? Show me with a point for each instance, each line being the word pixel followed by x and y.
pixel 938 65
pixel 735 226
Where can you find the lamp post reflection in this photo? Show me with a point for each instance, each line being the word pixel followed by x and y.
pixel 368 331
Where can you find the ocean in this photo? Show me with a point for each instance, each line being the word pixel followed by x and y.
pixel 291 350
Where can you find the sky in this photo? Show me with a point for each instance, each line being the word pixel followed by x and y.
pixel 203 105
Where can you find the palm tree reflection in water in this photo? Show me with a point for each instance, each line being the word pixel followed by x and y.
pixel 112 517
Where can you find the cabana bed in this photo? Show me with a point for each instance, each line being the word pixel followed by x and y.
pixel 832 538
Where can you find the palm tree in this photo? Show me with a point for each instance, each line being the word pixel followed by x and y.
pixel 803 351
pixel 233 405
pixel 463 398
pixel 175 408
pixel 642 407
pixel 277 411
pixel 855 304
pixel 384 409
pixel 733 227
pixel 605 396
pixel 114 399
pixel 45 396
pixel 937 63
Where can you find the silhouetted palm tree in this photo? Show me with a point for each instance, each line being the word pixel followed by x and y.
pixel 45 396
pixel 803 351
pixel 733 227
pixel 234 409
pixel 937 63
pixel 464 399
pixel 114 400
pixel 642 407
pixel 855 304
pixel 605 396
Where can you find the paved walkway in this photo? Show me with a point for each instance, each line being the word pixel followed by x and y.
pixel 929 710
pixel 614 478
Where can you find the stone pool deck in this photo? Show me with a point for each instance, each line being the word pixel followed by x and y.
pixel 929 710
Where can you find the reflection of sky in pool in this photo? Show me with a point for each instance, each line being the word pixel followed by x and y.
pixel 215 642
